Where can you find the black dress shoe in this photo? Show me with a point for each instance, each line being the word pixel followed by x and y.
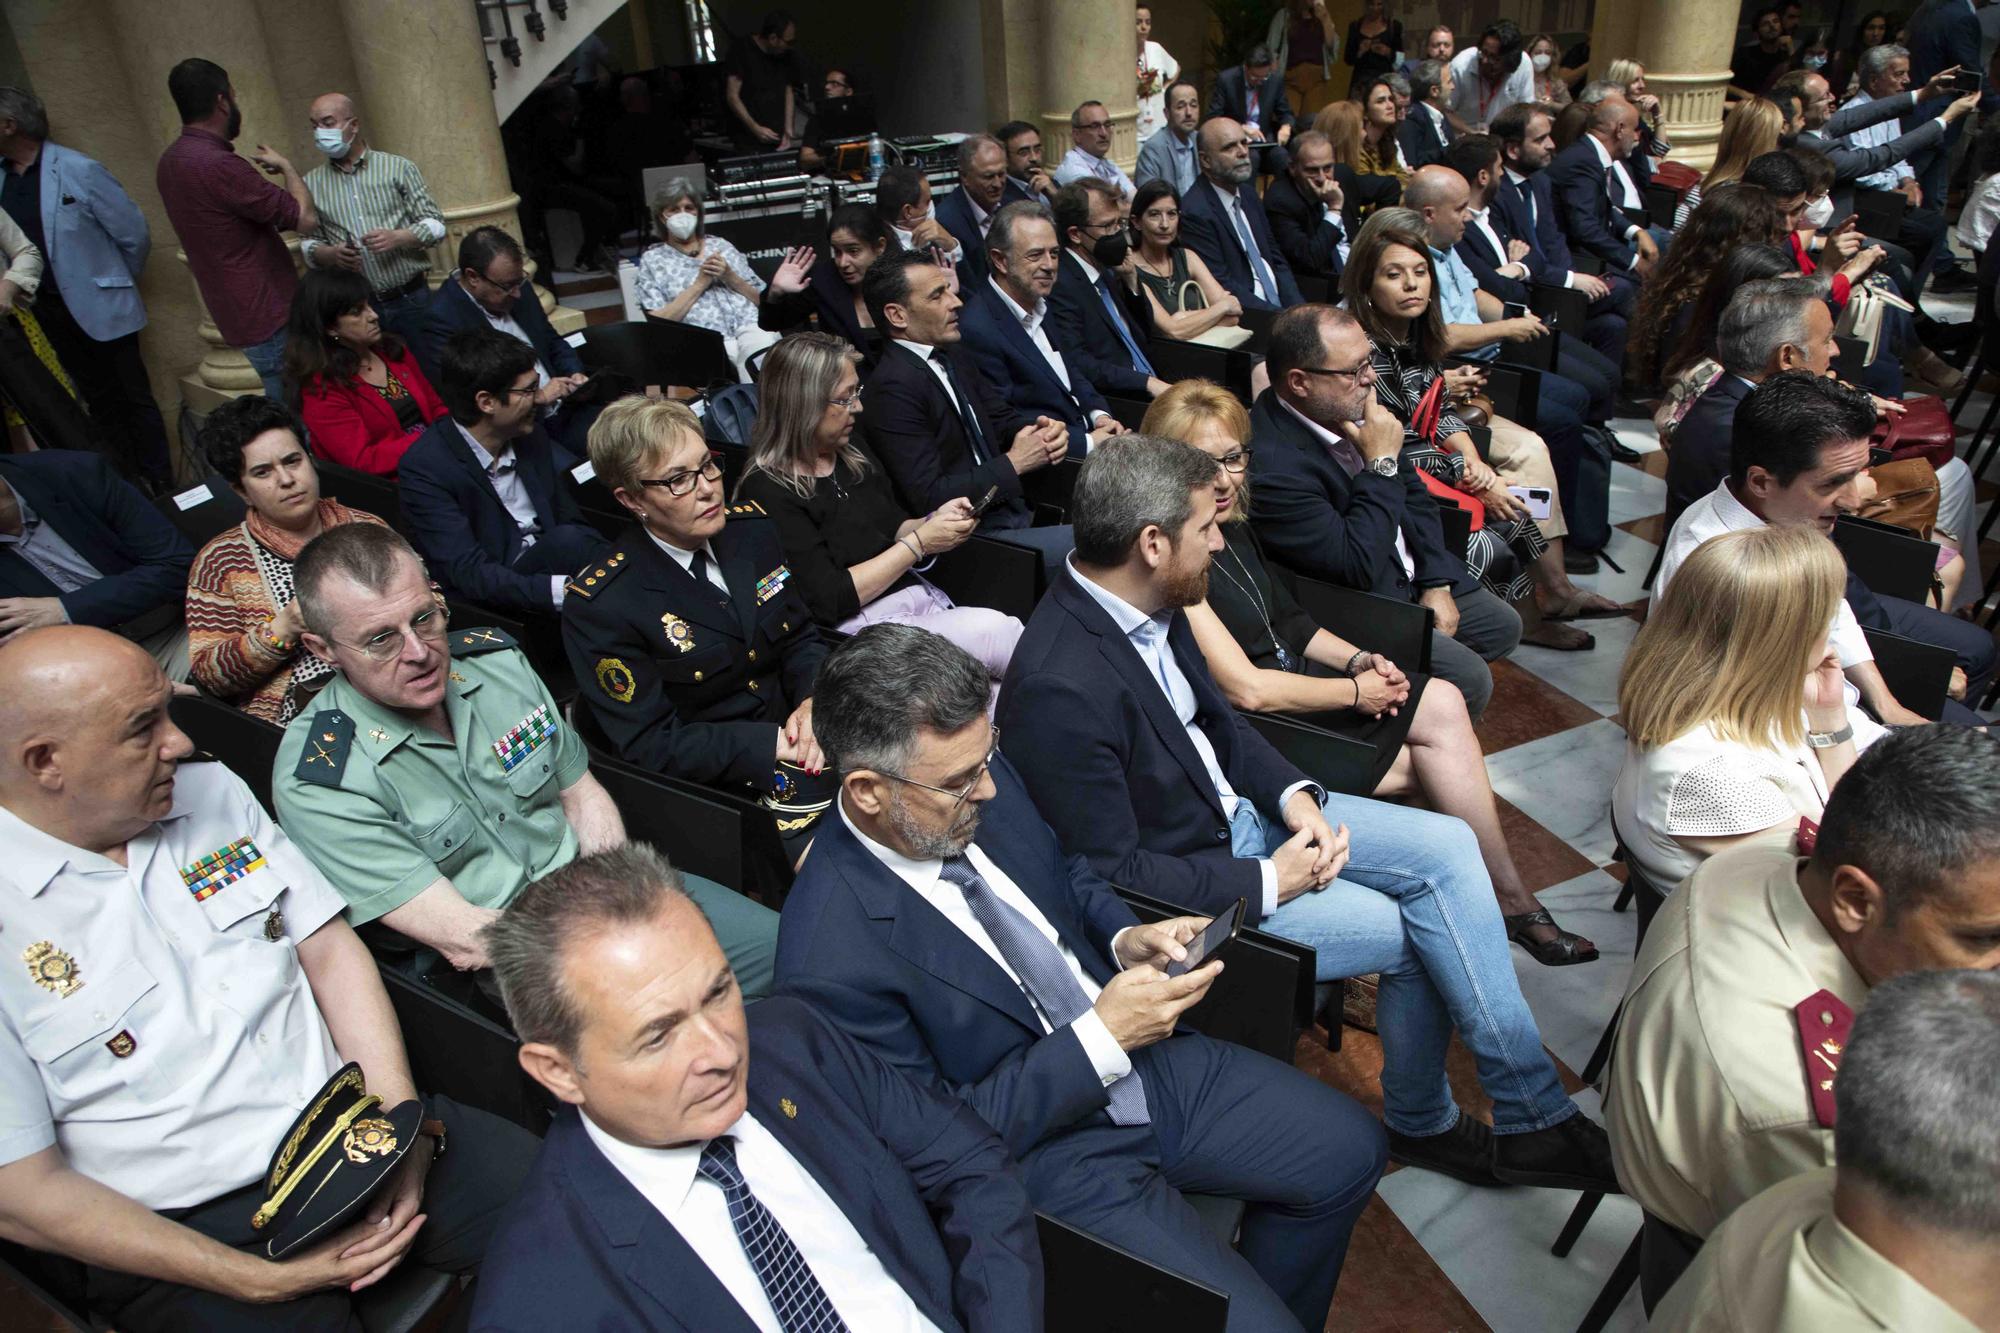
pixel 1575 1155
pixel 1953 280
pixel 1579 562
pixel 1465 1151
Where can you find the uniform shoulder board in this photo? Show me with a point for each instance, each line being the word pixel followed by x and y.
pixel 480 639
pixel 748 509
pixel 590 580
pixel 1824 1022
pixel 324 757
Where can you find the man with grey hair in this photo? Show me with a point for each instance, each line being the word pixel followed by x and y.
pixel 1224 222
pixel 1903 1231
pixel 968 211
pixel 803 1183
pixel 1107 700
pixel 1732 1034
pixel 1884 74
pixel 88 302
pixel 1090 150
pixel 939 920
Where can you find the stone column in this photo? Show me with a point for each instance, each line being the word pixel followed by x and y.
pixel 1088 53
pixel 1685 47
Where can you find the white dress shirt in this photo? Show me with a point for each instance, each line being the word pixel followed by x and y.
pixel 860 1288
pixel 685 559
pixel 503 471
pixel 1469 98
pixel 957 252
pixel 1233 206
pixel 1534 216
pixel 1032 322
pixel 1330 440
pixel 1874 136
pixel 1510 268
pixel 1076 164
pixel 510 326
pixel 1148 637
pixel 1106 1056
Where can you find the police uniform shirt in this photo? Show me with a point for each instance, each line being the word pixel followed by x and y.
pixel 1783 1263
pixel 155 1024
pixel 386 807
pixel 1710 1098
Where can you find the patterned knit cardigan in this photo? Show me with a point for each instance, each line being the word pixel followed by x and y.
pixel 229 604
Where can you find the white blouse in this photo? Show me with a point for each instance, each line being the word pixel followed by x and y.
pixel 1156 69
pixel 665 273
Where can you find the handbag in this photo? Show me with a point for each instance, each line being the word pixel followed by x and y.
pixel 1861 319
pixel 1924 429
pixel 1424 425
pixel 1906 496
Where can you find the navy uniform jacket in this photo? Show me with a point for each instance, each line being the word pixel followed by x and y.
pixel 915 428
pixel 886 966
pixel 1082 325
pixel 1207 230
pixel 1112 769
pixel 143 558
pixel 1008 357
pixel 1314 518
pixel 677 681
pixel 452 310
pixel 1583 194
pixel 922 1178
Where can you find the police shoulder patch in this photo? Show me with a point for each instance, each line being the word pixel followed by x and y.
pixel 480 639
pixel 590 580
pixel 324 757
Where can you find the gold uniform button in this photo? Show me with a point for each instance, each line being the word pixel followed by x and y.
pixel 753 686
pixel 697 675
pixel 753 654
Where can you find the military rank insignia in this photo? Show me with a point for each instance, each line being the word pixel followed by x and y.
pixel 52 969
pixel 615 679
pixel 772 583
pixel 679 633
pixel 1823 1022
pixel 219 869
pixel 525 737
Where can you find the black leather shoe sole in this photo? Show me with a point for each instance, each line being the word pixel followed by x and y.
pixel 1557 1180
pixel 1579 562
pixel 1463 1152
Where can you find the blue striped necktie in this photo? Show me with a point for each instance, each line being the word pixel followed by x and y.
pixel 801 1304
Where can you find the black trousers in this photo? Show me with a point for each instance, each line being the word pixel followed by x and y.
pixel 111 377
pixel 54 418
pixel 485 1161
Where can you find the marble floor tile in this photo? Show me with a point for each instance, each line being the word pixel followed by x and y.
pixel 1653 527
pixel 1563 782
pixel 1524 708
pixel 1542 858
pixel 1637 434
pixel 1572 1004
pixel 1390 1285
pixel 1590 678
pixel 1635 554
pixel 1635 494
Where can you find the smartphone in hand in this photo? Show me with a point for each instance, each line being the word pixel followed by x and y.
pixel 1535 499
pixel 984 502
pixel 1214 935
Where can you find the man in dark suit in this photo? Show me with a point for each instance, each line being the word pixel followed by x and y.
pixel 1134 756
pixel 80 545
pixel 1598 204
pixel 1945 35
pixel 1223 221
pixel 968 211
pixel 1253 95
pixel 1007 329
pixel 1095 307
pixel 938 919
pixel 1304 207
pixel 491 291
pixel 936 422
pixel 723 1170
pixel 480 489
pixel 1028 181
pixel 1523 201
pixel 1334 502
pixel 1427 132
pixel 693 656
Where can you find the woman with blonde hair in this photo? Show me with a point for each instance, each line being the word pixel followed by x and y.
pixel 1270 656
pixel 1749 131
pixel 852 552
pixel 1546 55
pixel 1735 720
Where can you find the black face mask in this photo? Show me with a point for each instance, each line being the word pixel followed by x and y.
pixel 1110 251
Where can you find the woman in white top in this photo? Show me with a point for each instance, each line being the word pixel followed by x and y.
pixel 1157 69
pixel 700 279
pixel 1735 719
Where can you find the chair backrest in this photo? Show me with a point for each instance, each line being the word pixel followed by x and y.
pixel 1053 486
pixel 628 290
pixel 991 573
pixel 1561 308
pixel 1918 674
pixel 1128 412
pixel 1535 354
pixel 1515 388
pixel 203 511
pixel 247 746
pixel 1264 997
pixel 1401 630
pixel 1457 525
pixel 1094 1286
pixel 1889 560
pixel 732 412
pixel 458 1049
pixel 1337 763
pixel 1662 202
pixel 658 351
pixel 1879 213
pixel 1318 290
pixel 362 490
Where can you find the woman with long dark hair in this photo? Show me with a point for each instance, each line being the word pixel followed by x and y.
pixel 1875 28
pixel 1736 214
pixel 806 286
pixel 358 387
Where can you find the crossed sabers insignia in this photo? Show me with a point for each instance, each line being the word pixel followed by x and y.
pixel 320 756
pixel 480 636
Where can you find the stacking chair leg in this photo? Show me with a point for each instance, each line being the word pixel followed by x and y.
pixel 1579 1218
pixel 1621 1280
pixel 1972 375
pixel 1972 447
pixel 1624 898
pixel 1601 1053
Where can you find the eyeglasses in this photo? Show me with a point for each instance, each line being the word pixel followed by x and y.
pixel 848 403
pixel 429 627
pixel 510 288
pixel 1236 460
pixel 957 797
pixel 1366 368
pixel 1103 228
pixel 682 482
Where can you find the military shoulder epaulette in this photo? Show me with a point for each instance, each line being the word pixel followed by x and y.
pixel 324 758
pixel 480 639
pixel 1824 1023
pixel 590 580
pixel 748 509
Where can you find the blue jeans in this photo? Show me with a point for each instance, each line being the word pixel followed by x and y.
pixel 267 358
pixel 1414 904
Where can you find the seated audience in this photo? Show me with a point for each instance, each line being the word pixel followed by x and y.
pixel 1340 122
pixel 1598 204
pixel 1491 76
pixel 398 809
pixel 1759 61
pixel 360 392
pixel 937 424
pixel 968 211
pixel 1545 55
pixel 89 549
pixel 693 278
pixel 1524 201
pixel 1253 95
pixel 229 995
pixel 687 667
pixel 1749 131
pixel 1027 179
pixel 1426 133
pixel 1902 1230
pixel 1223 221
pixel 1007 329
pixel 242 613
pixel 1885 77
pixel 1090 151
pixel 848 540
pixel 1981 216
pixel 1337 504
pixel 1627 79
pixel 1095 306
pixel 491 291
pixel 1381 122
pixel 483 491
pixel 807 291
pixel 1719 1072
pixel 1305 206
pixel 1690 364
pixel 888 1205
pixel 903 198
pixel 1874 29
pixel 1733 216
pixel 1021 981
pixel 1185 299
pixel 1171 155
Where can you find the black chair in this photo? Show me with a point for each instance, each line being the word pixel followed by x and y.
pixel 1535 354
pixel 1093 1286
pixel 247 746
pixel 1337 763
pixel 1918 674
pixel 204 511
pixel 990 573
pixel 1399 630
pixel 1662 202
pixel 1174 360
pixel 1850 357
pixel 1318 290
pixel 362 490
pixel 1879 213
pixel 461 1046
pixel 1127 412
pixel 1515 389
pixel 1891 561
pixel 1582 261
pixel 658 351
pixel 1052 487
pixel 593 498
pixel 1264 997
pixel 1561 308
pixel 1457 524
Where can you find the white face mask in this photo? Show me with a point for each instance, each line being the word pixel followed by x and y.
pixel 680 226
pixel 1541 59
pixel 1819 213
pixel 331 141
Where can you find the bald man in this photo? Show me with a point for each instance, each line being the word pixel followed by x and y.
pixel 376 215
pixel 1597 202
pixel 186 985
pixel 1223 221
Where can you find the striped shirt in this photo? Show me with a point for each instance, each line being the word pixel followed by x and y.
pixel 382 191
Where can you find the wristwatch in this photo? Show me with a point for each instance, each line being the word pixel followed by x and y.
pixel 1826 740
pixel 1382 467
pixel 435 1129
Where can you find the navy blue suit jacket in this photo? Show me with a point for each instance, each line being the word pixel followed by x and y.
pixel 1583 199
pixel 1699 459
pixel 1943 33
pixel 1541 229
pixel 1008 357
pixel 1479 256
pixel 462 529
pixel 1230 97
pixel 914 427
pixel 954 214
pixel 452 310
pixel 1207 230
pixel 1424 141
pixel 143 558
pixel 873 956
pixel 1314 518
pixel 1083 327
pixel 1309 245
pixel 1111 767
pixel 924 1181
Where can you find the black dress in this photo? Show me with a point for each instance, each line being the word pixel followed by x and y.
pixel 850 517
pixel 1273 630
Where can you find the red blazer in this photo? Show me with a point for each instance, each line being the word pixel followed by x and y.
pixel 353 425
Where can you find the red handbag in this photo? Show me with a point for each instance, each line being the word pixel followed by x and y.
pixel 1424 425
pixel 1923 430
